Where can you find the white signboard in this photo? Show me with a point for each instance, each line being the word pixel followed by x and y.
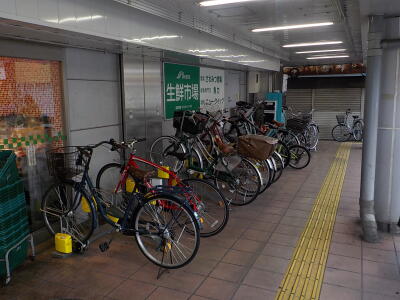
pixel 212 89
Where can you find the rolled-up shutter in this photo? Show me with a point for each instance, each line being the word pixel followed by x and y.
pixel 299 99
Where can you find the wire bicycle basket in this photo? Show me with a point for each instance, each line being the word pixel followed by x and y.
pixel 65 162
pixel 340 119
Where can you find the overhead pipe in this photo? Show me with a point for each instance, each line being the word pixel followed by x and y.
pixel 371 108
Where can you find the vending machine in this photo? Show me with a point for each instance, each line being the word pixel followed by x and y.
pixel 273 107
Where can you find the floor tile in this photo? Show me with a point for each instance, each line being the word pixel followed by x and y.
pixel 372 296
pixel 331 292
pixel 247 245
pixel 278 250
pixel 239 258
pixel 284 239
pixel 342 278
pixel 217 289
pixel 131 289
pixel 344 263
pixel 383 270
pixel 253 293
pixel 257 235
pixel 345 250
pixel 164 293
pixel 379 255
pixel 271 263
pixel 229 272
pixel 263 279
pixel 381 286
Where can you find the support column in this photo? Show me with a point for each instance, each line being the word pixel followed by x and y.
pixel 387 176
pixel 374 64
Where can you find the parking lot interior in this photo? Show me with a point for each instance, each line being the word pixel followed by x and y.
pixel 223 149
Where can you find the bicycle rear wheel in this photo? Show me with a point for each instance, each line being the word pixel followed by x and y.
pixel 358 130
pixel 167 231
pixel 341 133
pixel 66 209
pixel 211 206
pixel 300 157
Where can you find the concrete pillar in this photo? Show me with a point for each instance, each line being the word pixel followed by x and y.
pixel 374 63
pixel 387 176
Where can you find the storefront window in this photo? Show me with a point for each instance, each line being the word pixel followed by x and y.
pixel 31 121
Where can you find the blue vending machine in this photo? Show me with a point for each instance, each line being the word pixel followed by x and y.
pixel 273 107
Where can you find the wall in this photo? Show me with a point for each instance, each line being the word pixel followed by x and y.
pixel 93 100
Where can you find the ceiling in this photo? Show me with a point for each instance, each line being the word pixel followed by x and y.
pixel 240 18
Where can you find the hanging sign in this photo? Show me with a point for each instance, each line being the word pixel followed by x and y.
pixel 212 88
pixel 181 88
pixel 192 88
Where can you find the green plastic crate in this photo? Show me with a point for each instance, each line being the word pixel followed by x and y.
pixel 8 168
pixel 13 216
pixel 12 234
pixel 10 207
pixel 16 258
pixel 11 191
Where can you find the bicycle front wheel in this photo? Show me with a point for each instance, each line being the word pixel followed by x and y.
pixel 168 151
pixel 300 157
pixel 341 133
pixel 210 204
pixel 167 231
pixel 358 131
pixel 66 209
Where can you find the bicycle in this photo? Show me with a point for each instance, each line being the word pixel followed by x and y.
pixel 237 177
pixel 165 227
pixel 205 199
pixel 344 131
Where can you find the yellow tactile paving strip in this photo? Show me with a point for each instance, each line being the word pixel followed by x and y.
pixel 304 276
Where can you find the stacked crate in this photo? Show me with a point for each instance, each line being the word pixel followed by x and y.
pixel 13 217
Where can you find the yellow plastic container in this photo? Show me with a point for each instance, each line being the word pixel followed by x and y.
pixel 162 174
pixel 130 184
pixel 63 243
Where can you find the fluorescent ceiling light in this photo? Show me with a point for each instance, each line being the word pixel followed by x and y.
pixel 221 2
pixel 327 57
pixel 319 51
pixel 251 61
pixel 144 39
pixel 206 50
pixel 230 56
pixel 73 19
pixel 313 44
pixel 292 27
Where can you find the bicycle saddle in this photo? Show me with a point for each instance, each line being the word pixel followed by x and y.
pixel 355 117
pixel 139 174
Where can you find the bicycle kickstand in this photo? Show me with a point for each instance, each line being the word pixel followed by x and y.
pixel 106 245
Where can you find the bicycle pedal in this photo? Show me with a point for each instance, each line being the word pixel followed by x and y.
pixel 104 246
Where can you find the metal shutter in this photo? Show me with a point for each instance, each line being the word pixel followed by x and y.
pixel 337 99
pixel 331 102
pixel 299 99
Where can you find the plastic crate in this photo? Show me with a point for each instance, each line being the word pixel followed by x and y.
pixel 11 191
pixel 13 234
pixel 9 207
pixel 12 217
pixel 16 257
pixel 8 168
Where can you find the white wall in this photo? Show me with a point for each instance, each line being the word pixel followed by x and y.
pixel 93 101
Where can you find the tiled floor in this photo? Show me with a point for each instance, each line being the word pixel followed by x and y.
pixel 246 261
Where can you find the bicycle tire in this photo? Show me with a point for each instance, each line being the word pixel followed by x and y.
pixel 358 128
pixel 279 163
pixel 340 131
pixel 72 210
pixel 164 243
pixel 283 150
pixel 212 194
pixel 295 152
pixel 169 154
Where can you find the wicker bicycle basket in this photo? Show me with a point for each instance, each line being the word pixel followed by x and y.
pixel 65 162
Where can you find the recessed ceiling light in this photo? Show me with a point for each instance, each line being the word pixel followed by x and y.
pixel 319 51
pixel 292 27
pixel 313 44
pixel 206 50
pixel 221 2
pixel 327 57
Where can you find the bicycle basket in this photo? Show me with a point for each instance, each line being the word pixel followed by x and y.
pixel 65 162
pixel 189 122
pixel 296 124
pixel 255 146
pixel 340 119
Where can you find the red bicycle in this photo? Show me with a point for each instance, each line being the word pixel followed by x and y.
pixel 139 174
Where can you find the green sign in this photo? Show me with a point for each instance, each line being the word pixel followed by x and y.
pixel 181 88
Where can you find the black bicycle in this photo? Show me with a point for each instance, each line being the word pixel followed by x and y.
pixel 165 227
